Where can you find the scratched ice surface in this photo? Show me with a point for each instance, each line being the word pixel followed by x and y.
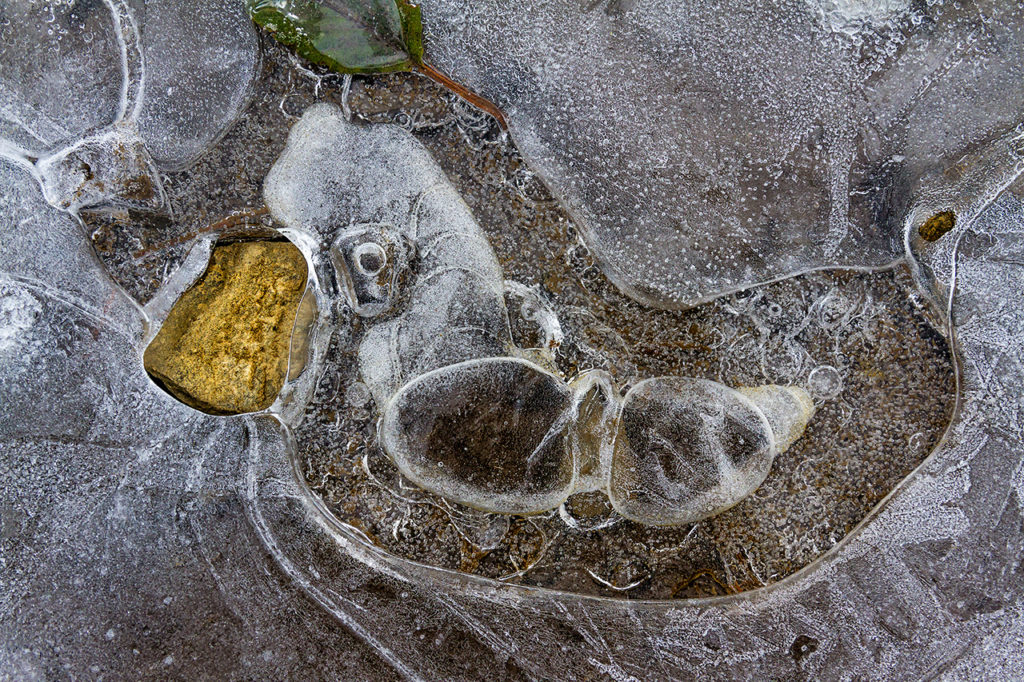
pixel 708 146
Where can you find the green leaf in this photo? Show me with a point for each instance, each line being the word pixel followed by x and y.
pixel 412 29
pixel 358 36
pixel 349 36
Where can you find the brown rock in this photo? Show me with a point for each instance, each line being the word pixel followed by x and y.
pixel 224 346
pixel 937 226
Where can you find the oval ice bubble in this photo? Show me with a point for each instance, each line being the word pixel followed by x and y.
pixel 687 449
pixel 490 434
pixel 200 62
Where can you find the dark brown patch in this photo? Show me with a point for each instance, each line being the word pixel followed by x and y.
pixel 937 226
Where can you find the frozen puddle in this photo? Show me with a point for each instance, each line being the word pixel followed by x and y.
pixel 445 422
pixel 655 461
pixel 464 389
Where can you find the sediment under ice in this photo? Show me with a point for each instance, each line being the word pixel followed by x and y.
pixel 171 521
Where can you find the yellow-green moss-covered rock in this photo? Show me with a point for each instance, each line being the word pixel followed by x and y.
pixel 225 344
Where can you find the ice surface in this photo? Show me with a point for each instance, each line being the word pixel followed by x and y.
pixel 686 449
pixel 334 174
pixel 916 591
pixel 490 434
pixel 137 536
pixel 857 16
pixel 61 262
pixel 200 60
pixel 60 73
pixel 98 91
pixel 357 186
pixel 706 146
pixel 191 533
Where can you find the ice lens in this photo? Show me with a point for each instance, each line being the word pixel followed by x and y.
pixel 502 435
pixel 490 434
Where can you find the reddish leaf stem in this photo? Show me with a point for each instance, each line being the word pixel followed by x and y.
pixel 463 92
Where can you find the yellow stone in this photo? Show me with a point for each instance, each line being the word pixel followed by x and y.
pixel 938 225
pixel 224 348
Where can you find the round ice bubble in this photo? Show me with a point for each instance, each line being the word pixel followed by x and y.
pixel 489 434
pixel 825 382
pixel 686 449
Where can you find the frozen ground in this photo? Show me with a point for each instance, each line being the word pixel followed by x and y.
pixel 869 331
pixel 143 539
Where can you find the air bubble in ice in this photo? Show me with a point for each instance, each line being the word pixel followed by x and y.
pixel 687 449
pixel 489 434
pixel 371 261
pixel 787 409
pixel 825 382
pixel 357 395
pixel 916 442
pixel 533 321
